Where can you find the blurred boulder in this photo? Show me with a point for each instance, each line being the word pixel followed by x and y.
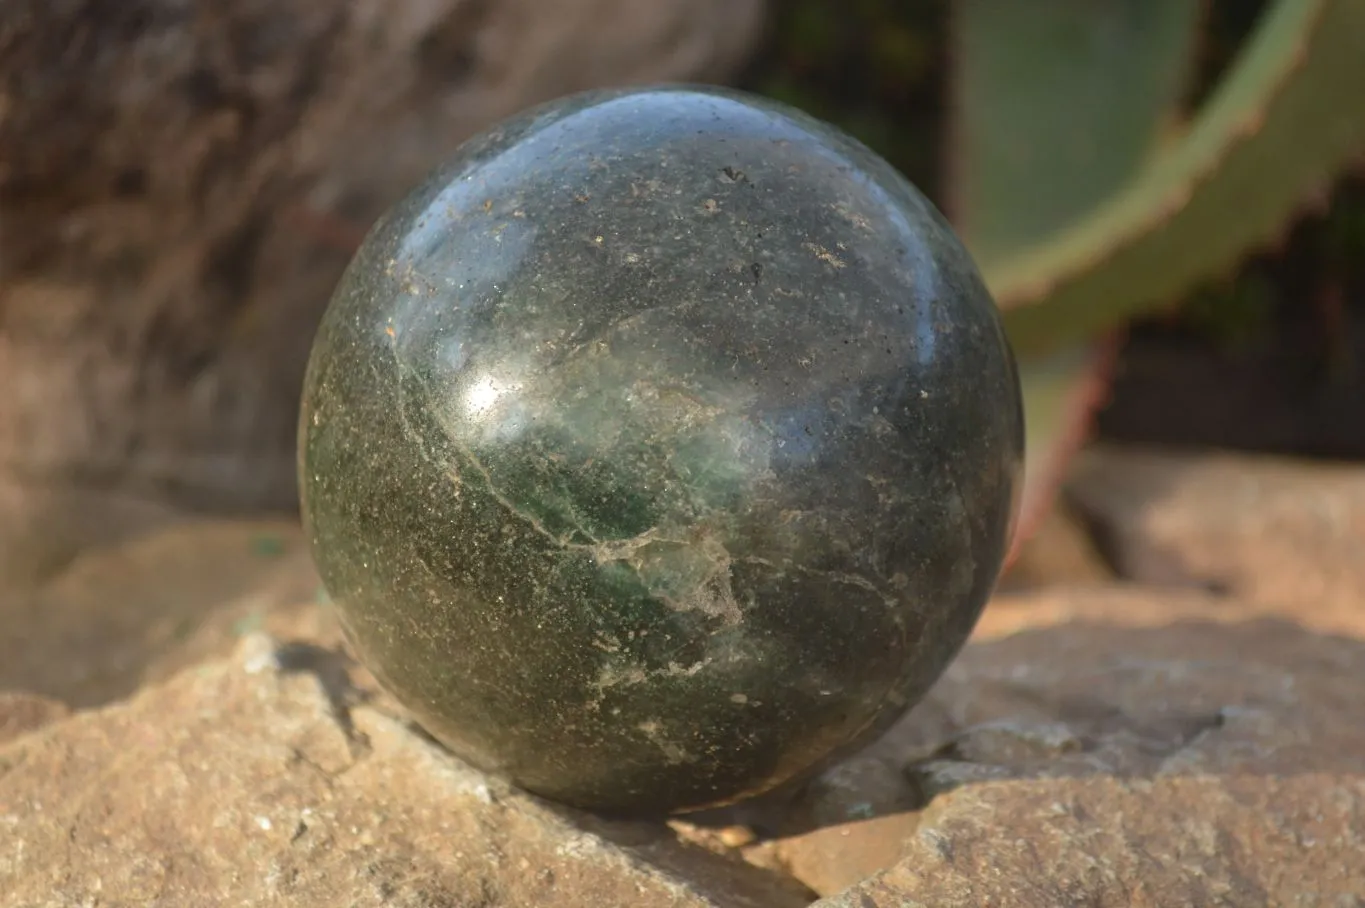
pixel 181 183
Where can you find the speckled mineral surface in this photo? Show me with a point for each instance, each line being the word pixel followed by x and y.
pixel 660 448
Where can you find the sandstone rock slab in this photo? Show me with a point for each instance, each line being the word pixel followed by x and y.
pixel 1108 747
pixel 1240 842
pixel 1259 528
pixel 134 613
pixel 21 713
pixel 262 780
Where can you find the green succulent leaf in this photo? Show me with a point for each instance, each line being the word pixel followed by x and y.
pixel 1284 121
pixel 1057 104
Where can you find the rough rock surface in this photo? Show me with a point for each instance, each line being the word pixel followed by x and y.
pixel 1263 528
pixel 1145 744
pixel 261 781
pixel 21 713
pixel 172 236
pixel 1121 747
pixel 1239 841
pixel 123 616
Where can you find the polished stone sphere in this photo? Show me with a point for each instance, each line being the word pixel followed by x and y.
pixel 660 449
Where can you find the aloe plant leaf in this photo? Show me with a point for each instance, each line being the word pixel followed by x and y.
pixel 1056 104
pixel 1285 119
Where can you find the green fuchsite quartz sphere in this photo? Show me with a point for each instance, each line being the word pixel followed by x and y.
pixel 662 448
